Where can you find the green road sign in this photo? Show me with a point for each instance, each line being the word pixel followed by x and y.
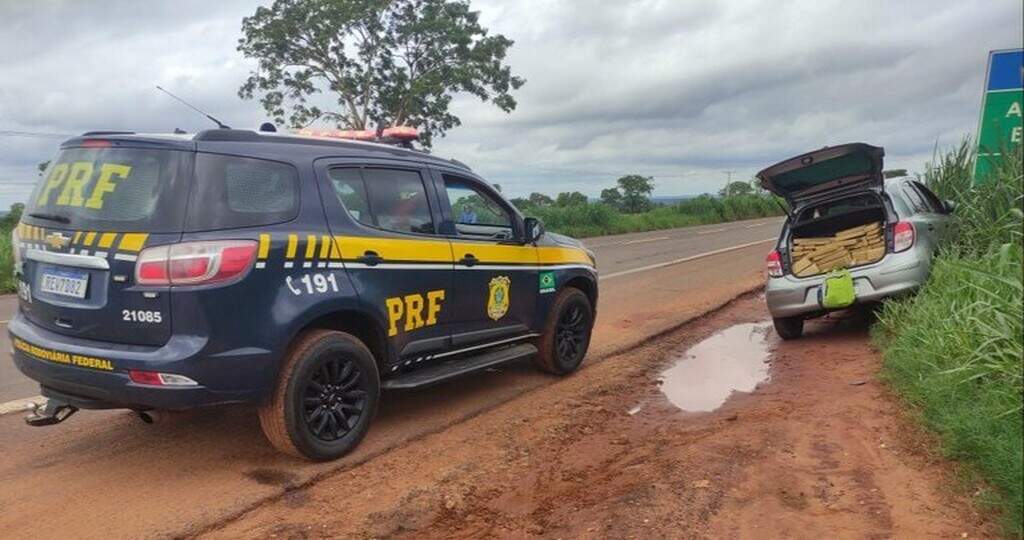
pixel 1000 127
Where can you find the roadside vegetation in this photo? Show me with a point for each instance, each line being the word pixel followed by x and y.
pixel 955 351
pixel 7 223
pixel 628 208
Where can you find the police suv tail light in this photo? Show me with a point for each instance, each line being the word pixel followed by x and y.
pixel 773 264
pixel 902 236
pixel 195 263
pixel 153 378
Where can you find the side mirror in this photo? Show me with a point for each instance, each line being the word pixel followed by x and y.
pixel 949 206
pixel 533 228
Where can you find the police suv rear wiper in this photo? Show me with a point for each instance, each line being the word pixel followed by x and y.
pixel 50 217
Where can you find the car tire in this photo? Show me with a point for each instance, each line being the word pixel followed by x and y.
pixel 789 327
pixel 566 337
pixel 326 395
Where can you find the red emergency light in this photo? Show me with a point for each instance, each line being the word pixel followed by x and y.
pixel 396 134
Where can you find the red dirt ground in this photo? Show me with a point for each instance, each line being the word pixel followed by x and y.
pixel 822 449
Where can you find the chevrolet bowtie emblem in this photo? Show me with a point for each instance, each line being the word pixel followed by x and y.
pixel 57 240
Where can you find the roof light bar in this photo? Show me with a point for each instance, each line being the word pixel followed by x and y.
pixel 395 134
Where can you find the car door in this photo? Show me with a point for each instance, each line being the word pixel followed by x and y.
pixel 496 275
pixel 384 219
pixel 926 222
pixel 942 221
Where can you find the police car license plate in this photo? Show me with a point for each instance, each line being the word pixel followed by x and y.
pixel 65 283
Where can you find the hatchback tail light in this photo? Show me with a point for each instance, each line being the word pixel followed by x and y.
pixel 773 264
pixel 902 236
pixel 195 263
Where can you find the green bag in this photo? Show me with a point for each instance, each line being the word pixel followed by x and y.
pixel 837 292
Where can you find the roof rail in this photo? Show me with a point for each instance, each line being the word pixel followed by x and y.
pixel 88 133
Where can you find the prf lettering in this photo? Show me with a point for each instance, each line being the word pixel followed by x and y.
pixel 411 307
pixel 68 184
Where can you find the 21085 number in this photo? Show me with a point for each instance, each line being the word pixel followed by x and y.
pixel 141 316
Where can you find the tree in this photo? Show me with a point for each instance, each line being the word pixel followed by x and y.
pixel 13 216
pixel 894 173
pixel 574 198
pixel 42 166
pixel 520 203
pixel 540 199
pixel 635 191
pixel 383 62
pixel 497 187
pixel 735 188
pixel 612 197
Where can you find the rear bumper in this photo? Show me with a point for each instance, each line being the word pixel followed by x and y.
pixel 895 275
pixel 91 375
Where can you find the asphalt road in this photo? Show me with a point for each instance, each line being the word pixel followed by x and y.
pixel 615 255
pixel 110 475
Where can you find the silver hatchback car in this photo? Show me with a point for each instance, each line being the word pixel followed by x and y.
pixel 840 188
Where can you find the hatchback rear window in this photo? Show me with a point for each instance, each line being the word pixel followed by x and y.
pixel 844 166
pixel 232 192
pixel 112 188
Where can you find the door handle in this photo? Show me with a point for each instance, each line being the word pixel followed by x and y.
pixel 370 258
pixel 468 260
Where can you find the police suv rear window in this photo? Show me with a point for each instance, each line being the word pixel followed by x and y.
pixel 105 188
pixel 231 192
pixel 391 199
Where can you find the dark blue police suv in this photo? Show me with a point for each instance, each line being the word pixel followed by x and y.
pixel 302 274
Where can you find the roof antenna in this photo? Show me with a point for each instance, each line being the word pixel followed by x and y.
pixel 194 108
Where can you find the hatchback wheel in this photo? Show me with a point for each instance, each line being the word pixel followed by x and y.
pixel 566 337
pixel 789 327
pixel 326 396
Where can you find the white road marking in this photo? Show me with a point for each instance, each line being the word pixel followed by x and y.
pixel 684 259
pixel 21 405
pixel 714 230
pixel 755 225
pixel 642 240
pixel 5 321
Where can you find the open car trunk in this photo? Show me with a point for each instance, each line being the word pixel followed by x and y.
pixel 842 233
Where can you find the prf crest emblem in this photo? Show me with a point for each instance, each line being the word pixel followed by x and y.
pixel 497 297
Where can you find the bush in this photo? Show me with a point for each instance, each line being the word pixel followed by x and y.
pixel 955 351
pixel 6 260
pixel 598 218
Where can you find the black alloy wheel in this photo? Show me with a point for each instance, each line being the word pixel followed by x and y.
pixel 333 400
pixel 570 334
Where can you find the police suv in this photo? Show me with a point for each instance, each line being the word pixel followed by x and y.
pixel 301 273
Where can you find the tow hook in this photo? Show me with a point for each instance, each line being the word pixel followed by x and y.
pixel 54 412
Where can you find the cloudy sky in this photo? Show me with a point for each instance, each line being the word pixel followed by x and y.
pixel 684 91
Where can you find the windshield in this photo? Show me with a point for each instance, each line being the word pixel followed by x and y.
pixel 111 189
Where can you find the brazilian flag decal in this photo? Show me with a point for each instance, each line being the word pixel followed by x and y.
pixel 547 282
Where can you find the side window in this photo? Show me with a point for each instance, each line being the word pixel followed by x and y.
pixel 390 199
pixel 933 202
pixel 235 192
pixel 351 190
pixel 476 213
pixel 914 198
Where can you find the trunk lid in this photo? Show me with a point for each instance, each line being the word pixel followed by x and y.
pixel 95 207
pixel 827 171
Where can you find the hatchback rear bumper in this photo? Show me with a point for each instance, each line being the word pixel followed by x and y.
pixel 91 374
pixel 895 275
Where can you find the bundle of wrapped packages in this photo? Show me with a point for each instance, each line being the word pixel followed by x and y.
pixel 849 247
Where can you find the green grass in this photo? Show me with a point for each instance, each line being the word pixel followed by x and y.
pixel 955 351
pixel 6 260
pixel 597 219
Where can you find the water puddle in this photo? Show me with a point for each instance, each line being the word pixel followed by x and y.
pixel 704 376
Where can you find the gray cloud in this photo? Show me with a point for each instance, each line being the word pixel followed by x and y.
pixel 679 90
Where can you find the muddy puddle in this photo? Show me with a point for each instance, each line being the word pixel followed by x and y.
pixel 704 376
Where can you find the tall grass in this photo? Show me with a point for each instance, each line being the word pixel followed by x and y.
pixel 955 351
pixel 6 260
pixel 596 219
